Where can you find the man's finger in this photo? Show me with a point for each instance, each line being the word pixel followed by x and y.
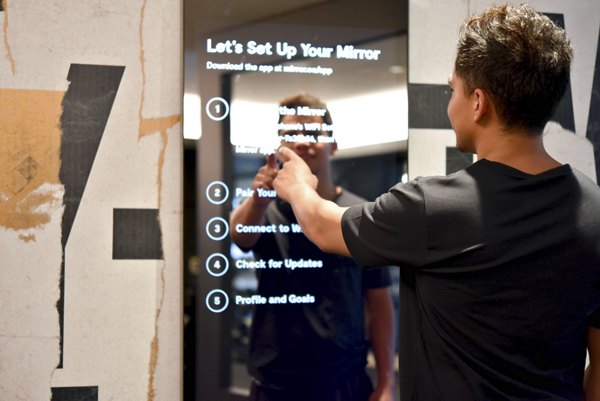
pixel 286 154
pixel 272 160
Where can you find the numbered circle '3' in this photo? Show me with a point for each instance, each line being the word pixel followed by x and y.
pixel 217 228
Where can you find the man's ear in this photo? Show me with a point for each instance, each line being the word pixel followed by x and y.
pixel 481 104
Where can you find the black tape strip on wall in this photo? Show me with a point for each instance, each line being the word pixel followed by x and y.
pixel 75 394
pixel 136 234
pixel 86 107
pixel 427 106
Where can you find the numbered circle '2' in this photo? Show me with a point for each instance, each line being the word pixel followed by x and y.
pixel 217 108
pixel 217 192
pixel 217 264
pixel 217 228
pixel 217 301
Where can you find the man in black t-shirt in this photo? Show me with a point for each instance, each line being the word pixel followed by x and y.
pixel 310 344
pixel 500 262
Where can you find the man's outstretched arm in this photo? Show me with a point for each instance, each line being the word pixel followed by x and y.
pixel 321 220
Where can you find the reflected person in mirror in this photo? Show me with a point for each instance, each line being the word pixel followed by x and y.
pixel 499 262
pixel 312 346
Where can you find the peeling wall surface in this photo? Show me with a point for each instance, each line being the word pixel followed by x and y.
pixel 90 200
pixel 574 134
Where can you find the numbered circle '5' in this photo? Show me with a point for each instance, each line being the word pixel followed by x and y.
pixel 217 301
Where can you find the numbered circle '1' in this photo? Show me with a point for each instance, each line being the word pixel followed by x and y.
pixel 217 108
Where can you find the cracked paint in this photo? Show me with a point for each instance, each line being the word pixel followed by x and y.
pixel 27 237
pixel 149 126
pixel 154 344
pixel 29 158
pixel 6 43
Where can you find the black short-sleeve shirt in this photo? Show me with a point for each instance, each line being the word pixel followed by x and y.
pixel 500 279
pixel 308 345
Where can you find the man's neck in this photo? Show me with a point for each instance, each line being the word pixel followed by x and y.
pixel 523 151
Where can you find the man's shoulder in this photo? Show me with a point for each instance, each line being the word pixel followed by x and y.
pixel 426 185
pixel 586 182
pixel 348 198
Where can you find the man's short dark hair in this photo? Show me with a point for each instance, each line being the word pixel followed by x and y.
pixel 520 58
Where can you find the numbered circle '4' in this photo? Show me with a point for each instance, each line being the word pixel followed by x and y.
pixel 217 264
pixel 217 108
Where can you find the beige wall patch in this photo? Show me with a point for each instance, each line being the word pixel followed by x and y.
pixel 29 155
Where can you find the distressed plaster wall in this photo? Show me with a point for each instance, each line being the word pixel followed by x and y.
pixel 574 135
pixel 90 200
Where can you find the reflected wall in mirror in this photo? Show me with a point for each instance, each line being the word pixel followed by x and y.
pixel 241 60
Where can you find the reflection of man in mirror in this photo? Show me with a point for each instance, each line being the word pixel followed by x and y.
pixel 499 262
pixel 309 345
